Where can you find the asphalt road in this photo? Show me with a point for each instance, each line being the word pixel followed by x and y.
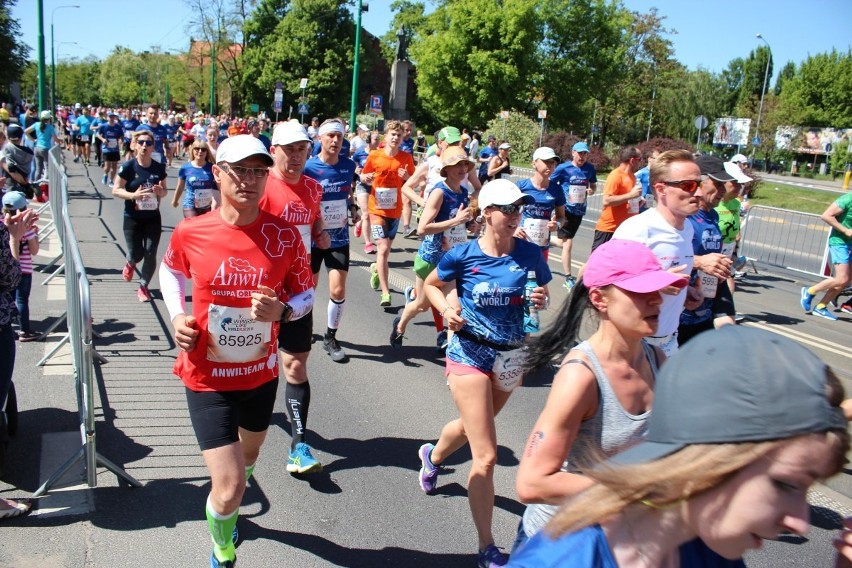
pixel 368 417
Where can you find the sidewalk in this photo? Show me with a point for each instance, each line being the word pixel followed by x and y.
pixel 821 184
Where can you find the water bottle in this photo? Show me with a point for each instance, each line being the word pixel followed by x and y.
pixel 531 317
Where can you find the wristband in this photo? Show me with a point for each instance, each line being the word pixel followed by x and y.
pixel 445 310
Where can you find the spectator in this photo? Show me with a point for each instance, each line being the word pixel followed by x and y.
pixel 14 203
pixel 16 160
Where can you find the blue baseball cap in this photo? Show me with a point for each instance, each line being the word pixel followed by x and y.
pixel 580 147
pixel 15 200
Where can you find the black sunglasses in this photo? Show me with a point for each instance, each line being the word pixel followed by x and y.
pixel 510 209
pixel 145 142
pixel 687 185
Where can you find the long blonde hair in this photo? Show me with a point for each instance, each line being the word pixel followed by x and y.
pixel 678 476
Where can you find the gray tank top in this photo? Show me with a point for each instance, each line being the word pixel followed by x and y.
pixel 611 430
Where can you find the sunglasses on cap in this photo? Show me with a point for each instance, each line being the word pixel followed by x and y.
pixel 510 209
pixel 687 185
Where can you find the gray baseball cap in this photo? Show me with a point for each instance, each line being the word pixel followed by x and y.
pixel 705 395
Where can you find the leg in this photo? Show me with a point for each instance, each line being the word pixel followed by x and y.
pixel 384 248
pixel 418 306
pixel 837 284
pixel 133 239
pixel 567 244
pixel 362 198
pixel 151 241
pixel 22 301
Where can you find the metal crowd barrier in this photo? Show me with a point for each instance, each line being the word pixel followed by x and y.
pixel 79 319
pixel 54 206
pixel 785 239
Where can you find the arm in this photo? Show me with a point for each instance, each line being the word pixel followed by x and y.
pixel 173 287
pixel 428 225
pixel 178 192
pixel 496 165
pixel 714 264
pixel 433 288
pixel 830 217
pixel 613 200
pixel 573 398
pixel 411 187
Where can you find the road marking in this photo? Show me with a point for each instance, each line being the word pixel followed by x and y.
pixel 802 338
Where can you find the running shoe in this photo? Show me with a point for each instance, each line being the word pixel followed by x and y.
pixel 369 248
pixel 235 536
pixel 395 336
pixel 302 461
pixel 104 179
pixel 442 340
pixel 569 283
pixel 27 336
pixel 357 230
pixel 76 159
pixel 807 300
pixel 408 292
pixel 740 262
pixel 824 313
pixel 492 556
pixel 332 347
pixel 374 276
pixel 127 272
pixel 428 471
pixel 385 301
pixel 216 563
pixel 143 294
pixel 410 233
pixel 846 308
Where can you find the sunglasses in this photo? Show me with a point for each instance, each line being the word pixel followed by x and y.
pixel 687 185
pixel 242 172
pixel 200 149
pixel 145 142
pixel 510 209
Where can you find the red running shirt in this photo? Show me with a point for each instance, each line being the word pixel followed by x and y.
pixel 226 264
pixel 297 203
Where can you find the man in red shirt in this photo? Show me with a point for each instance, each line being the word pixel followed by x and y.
pixel 622 196
pixel 296 198
pixel 250 273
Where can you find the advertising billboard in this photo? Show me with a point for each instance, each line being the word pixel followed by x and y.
pixel 730 131
pixel 810 139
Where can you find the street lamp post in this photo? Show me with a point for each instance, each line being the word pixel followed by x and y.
pixel 762 94
pixel 52 60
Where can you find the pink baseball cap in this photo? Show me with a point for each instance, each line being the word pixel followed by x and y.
pixel 629 265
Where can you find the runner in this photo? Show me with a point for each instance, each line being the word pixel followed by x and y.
pixel 484 359
pixel 622 195
pixel 110 135
pixel 578 180
pixel 548 212
pixel 196 176
pixel 240 293
pixel 838 216
pixel 141 182
pixel 83 128
pixel 129 124
pixel 335 172
pixel 161 143
pixel 444 222
pixel 296 198
pixel 362 193
pixel 386 170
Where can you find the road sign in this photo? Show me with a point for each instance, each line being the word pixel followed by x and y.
pixel 376 104
pixel 542 114
pixel 303 84
pixel 278 97
pixel 304 108
pixel 701 122
pixel 755 141
pixel 504 114
pixel 277 106
pixel 254 107
pixel 191 104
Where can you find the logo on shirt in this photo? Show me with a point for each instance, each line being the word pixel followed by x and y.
pixel 486 295
pixel 238 272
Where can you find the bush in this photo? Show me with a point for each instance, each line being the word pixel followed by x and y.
pixel 562 142
pixel 663 145
pixel 519 131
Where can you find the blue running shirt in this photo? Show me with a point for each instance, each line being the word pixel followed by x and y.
pixel 432 247
pixel 535 216
pixel 336 182
pixel 574 182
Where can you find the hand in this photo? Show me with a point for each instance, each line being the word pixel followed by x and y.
pixel 367 179
pixel 714 264
pixel 552 225
pixel 20 223
pixel 520 233
pixel 674 290
pixel 159 189
pixel 265 305
pixel 454 320
pixel 539 298
pixel 462 215
pixel 143 191
pixel 403 174
pixel 356 216
pixel 186 332
pixel 635 192
pixel 322 240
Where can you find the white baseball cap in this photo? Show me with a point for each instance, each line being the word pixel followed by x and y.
pixel 735 171
pixel 504 146
pixel 240 147
pixel 288 133
pixel 545 153
pixel 739 158
pixel 502 192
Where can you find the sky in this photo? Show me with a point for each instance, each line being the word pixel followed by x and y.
pixel 709 34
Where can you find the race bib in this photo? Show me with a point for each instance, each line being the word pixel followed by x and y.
pixel 508 369
pixel 334 213
pixel 84 138
pixel 708 284
pixel 111 143
pixel 147 203
pixel 456 235
pixel 537 231
pixel 386 197
pixel 305 233
pixel 234 337
pixel 203 198
pixel 576 194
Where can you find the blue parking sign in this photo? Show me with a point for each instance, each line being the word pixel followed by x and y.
pixel 376 104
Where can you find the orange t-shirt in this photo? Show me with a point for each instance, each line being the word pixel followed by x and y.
pixel 617 183
pixel 386 193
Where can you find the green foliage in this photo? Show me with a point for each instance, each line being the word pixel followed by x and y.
pixel 840 157
pixel 14 51
pixel 122 75
pixel 314 39
pixel 78 81
pixel 519 131
pixel 787 72
pixel 753 73
pixel 818 95
pixel 475 58
pixel 662 145
pixel 562 142
pixel 682 96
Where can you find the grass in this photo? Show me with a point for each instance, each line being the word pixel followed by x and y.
pixel 783 196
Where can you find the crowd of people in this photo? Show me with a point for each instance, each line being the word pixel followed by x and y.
pixel 630 395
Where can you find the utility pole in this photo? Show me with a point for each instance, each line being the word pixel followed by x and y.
pixel 354 100
pixel 42 80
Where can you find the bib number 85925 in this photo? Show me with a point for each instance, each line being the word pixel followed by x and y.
pixel 240 340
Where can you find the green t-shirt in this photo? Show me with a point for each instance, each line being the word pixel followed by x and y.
pixel 836 238
pixel 729 220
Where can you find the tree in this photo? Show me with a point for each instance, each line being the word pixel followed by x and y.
pixel 314 39
pixel 787 72
pixel 476 57
pixel 683 95
pixel 754 70
pixel 78 81
pixel 518 130
pixel 818 94
pixel 121 77
pixel 15 52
